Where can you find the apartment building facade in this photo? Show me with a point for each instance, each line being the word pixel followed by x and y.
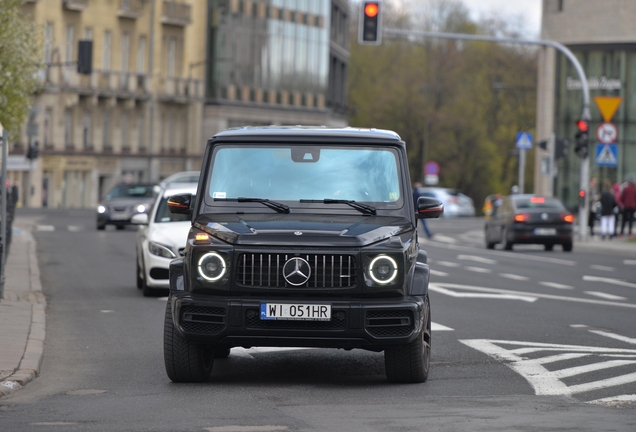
pixel 136 117
pixel 602 36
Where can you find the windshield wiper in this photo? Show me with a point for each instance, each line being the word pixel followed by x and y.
pixel 362 208
pixel 280 208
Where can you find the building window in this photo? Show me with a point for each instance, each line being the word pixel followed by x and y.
pixel 86 130
pixel 48 113
pixel 124 132
pixel 172 54
pixel 141 55
pixel 140 129
pixel 48 41
pixel 106 131
pixel 70 43
pixel 106 51
pixel 88 33
pixel 125 43
pixel 68 128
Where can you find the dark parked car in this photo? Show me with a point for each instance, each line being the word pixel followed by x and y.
pixel 301 237
pixel 123 202
pixel 530 219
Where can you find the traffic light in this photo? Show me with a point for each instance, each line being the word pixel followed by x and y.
pixel 581 198
pixel 370 25
pixel 33 151
pixel 562 148
pixel 582 137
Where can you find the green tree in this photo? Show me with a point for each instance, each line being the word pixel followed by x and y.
pixel 458 103
pixel 18 68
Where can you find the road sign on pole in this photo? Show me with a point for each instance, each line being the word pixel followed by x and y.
pixel 524 141
pixel 606 155
pixel 607 133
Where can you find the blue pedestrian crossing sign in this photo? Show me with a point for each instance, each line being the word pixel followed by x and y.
pixel 524 141
pixel 606 155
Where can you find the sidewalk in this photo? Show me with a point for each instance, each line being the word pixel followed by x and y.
pixel 22 314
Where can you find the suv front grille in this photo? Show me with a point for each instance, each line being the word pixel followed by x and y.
pixel 253 320
pixel 389 323
pixel 266 270
pixel 202 319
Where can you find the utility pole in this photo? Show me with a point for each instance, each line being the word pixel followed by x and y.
pixel 151 60
pixel 3 211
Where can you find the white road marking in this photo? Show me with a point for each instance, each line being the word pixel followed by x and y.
pixel 609 281
pixel 44 228
pixel 439 327
pixel 614 336
pixel 476 258
pixel 163 298
pixel 478 269
pixel 502 254
pixel 447 263
pixel 602 268
pixel 107 311
pixel 629 262
pixel 444 239
pixel 75 228
pixel 237 428
pixel 247 353
pixel 547 382
pixel 534 294
pixel 438 273
pixel 513 276
pixel 435 287
pixel 555 285
pixel 605 295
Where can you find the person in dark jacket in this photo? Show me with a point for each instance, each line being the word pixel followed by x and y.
pixel 628 202
pixel 607 210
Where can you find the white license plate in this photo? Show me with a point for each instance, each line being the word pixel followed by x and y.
pixel 545 231
pixel 295 311
pixel 118 216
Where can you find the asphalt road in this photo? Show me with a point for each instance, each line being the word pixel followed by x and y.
pixel 524 340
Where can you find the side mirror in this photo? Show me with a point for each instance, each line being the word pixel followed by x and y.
pixel 180 204
pixel 429 208
pixel 140 219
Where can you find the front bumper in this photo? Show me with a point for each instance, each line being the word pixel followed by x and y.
pixel 357 323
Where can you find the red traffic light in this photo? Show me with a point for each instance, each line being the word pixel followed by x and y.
pixel 582 126
pixel 371 9
pixel 581 193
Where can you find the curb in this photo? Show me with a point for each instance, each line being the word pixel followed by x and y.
pixel 31 361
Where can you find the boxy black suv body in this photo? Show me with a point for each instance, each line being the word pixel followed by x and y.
pixel 301 237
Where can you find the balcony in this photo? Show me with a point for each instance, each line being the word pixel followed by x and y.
pixel 131 9
pixel 100 82
pixel 75 5
pixel 180 89
pixel 176 14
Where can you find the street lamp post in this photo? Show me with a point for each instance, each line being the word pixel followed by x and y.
pixel 3 211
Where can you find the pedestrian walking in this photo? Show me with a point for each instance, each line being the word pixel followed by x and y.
pixel 618 209
pixel 628 201
pixel 608 202
pixel 592 193
pixel 416 195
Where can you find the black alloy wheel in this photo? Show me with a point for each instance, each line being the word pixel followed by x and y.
pixel 507 245
pixel 140 280
pixel 185 361
pixel 410 363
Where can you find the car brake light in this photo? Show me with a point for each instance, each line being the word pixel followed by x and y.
pixel 521 217
pixel 568 218
pixel 537 200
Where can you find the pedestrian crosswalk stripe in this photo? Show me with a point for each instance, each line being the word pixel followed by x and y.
pixel 44 228
pixel 549 382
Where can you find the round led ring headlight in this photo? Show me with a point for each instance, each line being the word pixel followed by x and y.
pixel 383 269
pixel 212 266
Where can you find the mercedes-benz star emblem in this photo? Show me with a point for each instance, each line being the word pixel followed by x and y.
pixel 298 233
pixel 296 271
pixel 544 216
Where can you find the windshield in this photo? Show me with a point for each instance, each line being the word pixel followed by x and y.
pixel 165 215
pixel 131 191
pixel 307 172
pixel 539 203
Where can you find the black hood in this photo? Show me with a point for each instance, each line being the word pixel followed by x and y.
pixel 302 229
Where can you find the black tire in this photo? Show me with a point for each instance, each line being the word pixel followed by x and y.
pixel 101 227
pixel 567 247
pixel 147 291
pixel 490 245
pixel 221 352
pixel 410 363
pixel 121 227
pixel 140 280
pixel 507 245
pixel 548 247
pixel 185 361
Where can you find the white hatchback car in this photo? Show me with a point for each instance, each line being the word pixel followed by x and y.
pixel 161 238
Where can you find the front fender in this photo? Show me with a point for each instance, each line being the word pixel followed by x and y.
pixel 177 281
pixel 419 282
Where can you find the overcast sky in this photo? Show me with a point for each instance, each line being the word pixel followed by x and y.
pixel 528 10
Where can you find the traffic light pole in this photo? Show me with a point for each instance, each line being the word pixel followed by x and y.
pixel 585 114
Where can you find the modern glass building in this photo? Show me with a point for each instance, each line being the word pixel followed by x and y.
pixel 606 48
pixel 276 62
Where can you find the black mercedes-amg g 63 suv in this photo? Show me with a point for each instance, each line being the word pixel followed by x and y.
pixel 301 237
